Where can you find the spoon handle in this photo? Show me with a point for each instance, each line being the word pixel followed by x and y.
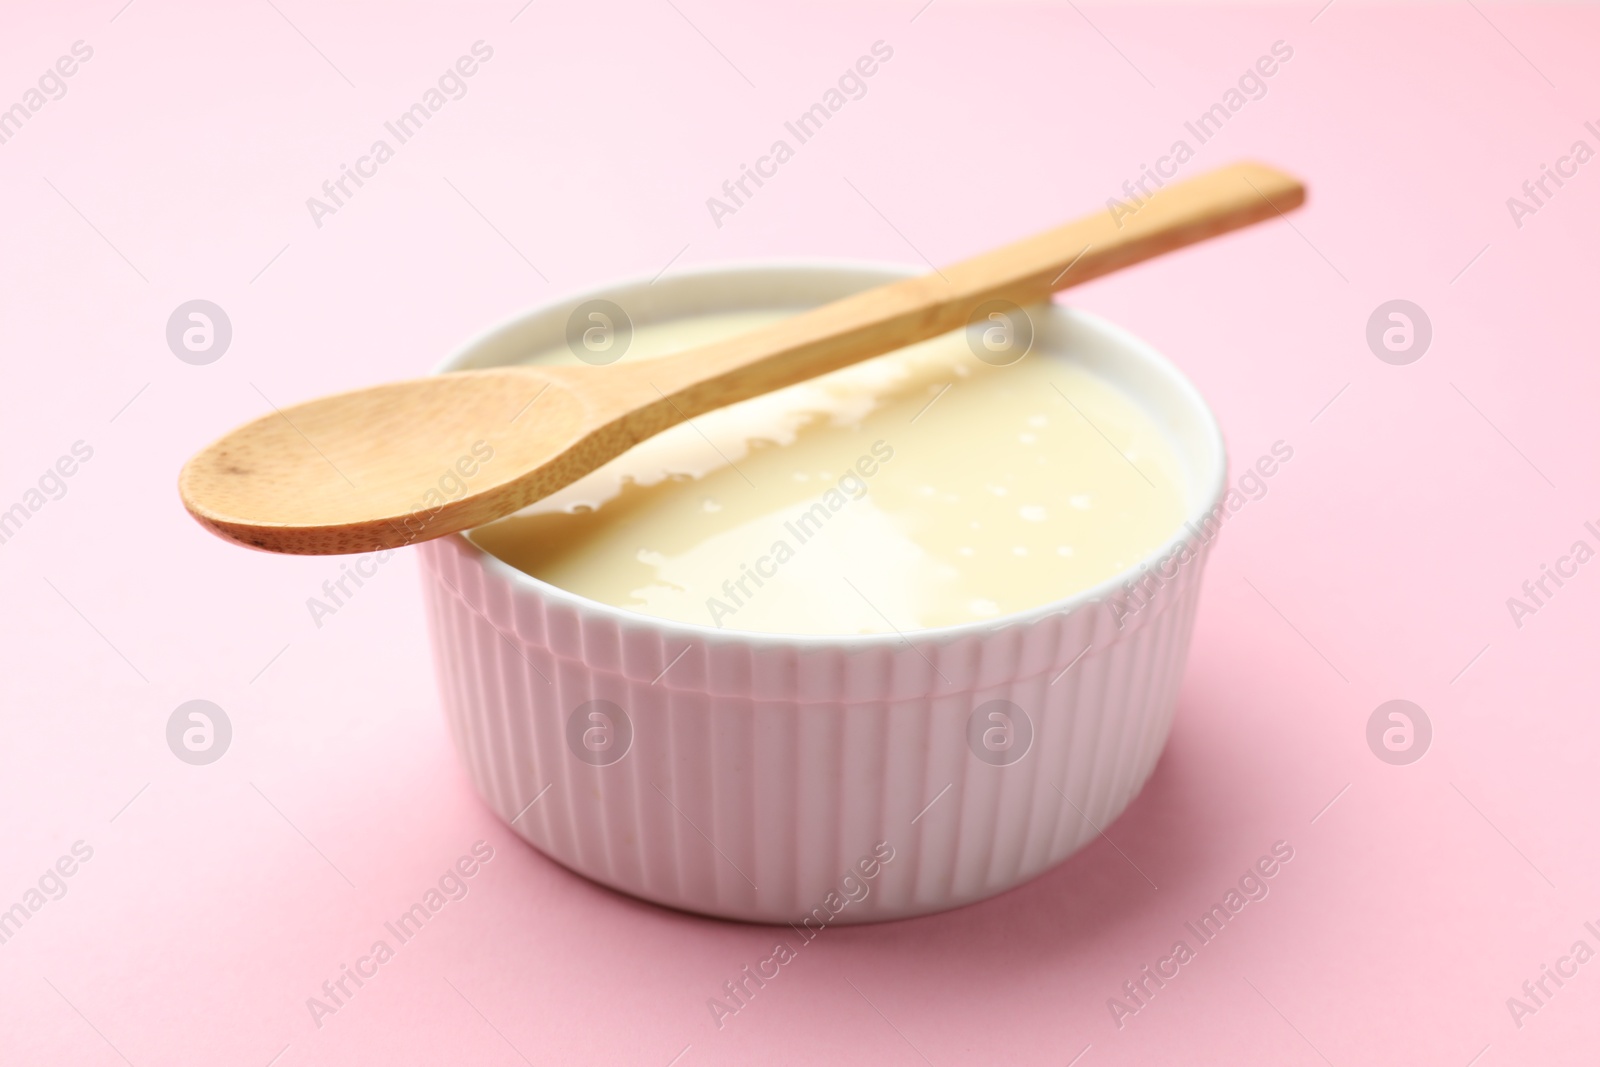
pixel 888 317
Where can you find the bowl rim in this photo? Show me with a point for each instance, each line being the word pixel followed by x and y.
pixel 1208 501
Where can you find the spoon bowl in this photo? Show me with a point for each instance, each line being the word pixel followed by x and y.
pixel 438 454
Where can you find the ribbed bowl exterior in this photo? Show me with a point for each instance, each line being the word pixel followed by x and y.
pixel 760 772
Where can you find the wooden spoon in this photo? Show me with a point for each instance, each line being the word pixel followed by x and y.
pixel 393 464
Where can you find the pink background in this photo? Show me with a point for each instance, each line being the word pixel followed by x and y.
pixel 1377 566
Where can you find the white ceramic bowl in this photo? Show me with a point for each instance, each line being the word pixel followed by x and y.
pixel 817 779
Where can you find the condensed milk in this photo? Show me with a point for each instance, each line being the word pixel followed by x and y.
pixel 924 488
